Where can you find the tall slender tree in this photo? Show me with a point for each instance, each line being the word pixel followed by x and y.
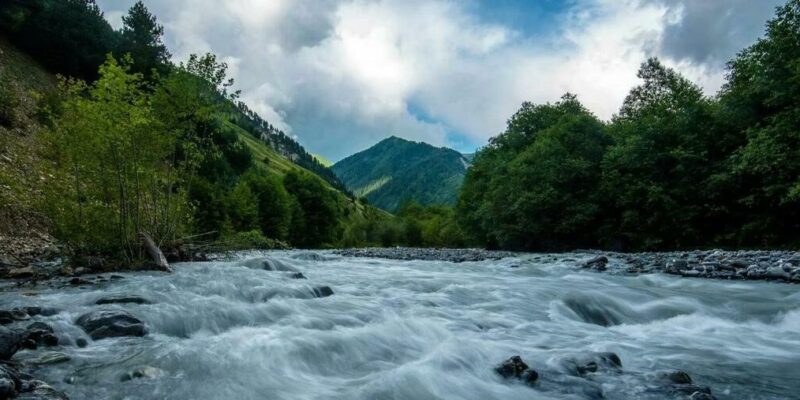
pixel 142 38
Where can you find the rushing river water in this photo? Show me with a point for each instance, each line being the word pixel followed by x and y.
pixel 422 330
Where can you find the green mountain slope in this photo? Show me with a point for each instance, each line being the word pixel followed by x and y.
pixel 26 87
pixel 396 170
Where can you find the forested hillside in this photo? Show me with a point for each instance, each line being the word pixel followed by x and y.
pixel 674 168
pixel 125 142
pixel 395 171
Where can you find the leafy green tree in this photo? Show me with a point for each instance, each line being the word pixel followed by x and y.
pixel 242 204
pixel 657 173
pixel 112 164
pixel 535 186
pixel 315 219
pixel 762 100
pixel 274 204
pixel 142 38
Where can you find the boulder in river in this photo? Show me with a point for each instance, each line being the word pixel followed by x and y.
pixel 514 367
pixel 122 299
pixel 41 334
pixel 591 363
pixel 269 264
pixel 599 263
pixel 38 390
pixel 11 341
pixel 10 382
pixel 146 372
pixel 322 291
pixel 111 323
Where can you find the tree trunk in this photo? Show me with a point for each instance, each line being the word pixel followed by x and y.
pixel 155 253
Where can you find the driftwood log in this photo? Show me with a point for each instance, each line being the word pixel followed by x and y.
pixel 154 252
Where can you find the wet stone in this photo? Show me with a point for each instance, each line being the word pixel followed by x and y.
pixel 11 341
pixel 111 323
pixel 514 367
pixel 143 373
pixel 51 358
pixel 598 263
pixel 322 291
pixel 123 299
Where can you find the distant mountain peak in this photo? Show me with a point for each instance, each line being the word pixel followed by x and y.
pixel 396 169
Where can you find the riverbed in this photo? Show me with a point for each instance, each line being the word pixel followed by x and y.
pixel 250 327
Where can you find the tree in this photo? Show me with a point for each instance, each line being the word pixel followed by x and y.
pixel 70 37
pixel 274 204
pixel 657 173
pixel 114 178
pixel 142 39
pixel 535 186
pixel 315 220
pixel 762 100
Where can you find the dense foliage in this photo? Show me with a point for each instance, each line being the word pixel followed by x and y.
pixel 673 169
pixel 538 183
pixel 395 170
pixel 113 179
pixel 147 146
pixel 68 36
pixel 413 225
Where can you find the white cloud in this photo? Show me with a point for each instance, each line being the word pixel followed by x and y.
pixel 342 75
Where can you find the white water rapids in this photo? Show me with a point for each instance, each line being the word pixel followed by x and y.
pixel 421 330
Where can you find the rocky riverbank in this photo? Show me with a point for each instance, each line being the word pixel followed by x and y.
pixel 18 333
pixel 413 253
pixel 783 266
pixel 776 265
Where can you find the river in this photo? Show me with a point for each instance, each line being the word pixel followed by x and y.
pixel 421 330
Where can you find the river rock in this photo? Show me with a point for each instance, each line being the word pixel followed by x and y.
pixel 11 341
pixel 322 291
pixel 599 263
pixel 776 272
pixel 21 273
pixel 514 367
pixel 695 392
pixel 268 264
pixel 676 266
pixel 51 358
pixel 297 275
pixel 111 323
pixel 40 326
pixel 10 382
pixel 144 372
pixel 123 299
pixel 6 317
pixel 673 377
pixel 38 390
pixel 41 334
pixel 79 282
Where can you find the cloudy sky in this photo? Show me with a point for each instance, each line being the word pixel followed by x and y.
pixel 340 75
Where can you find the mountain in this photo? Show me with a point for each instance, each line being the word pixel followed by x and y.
pixel 395 170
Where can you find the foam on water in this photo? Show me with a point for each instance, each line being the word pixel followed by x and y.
pixel 244 329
